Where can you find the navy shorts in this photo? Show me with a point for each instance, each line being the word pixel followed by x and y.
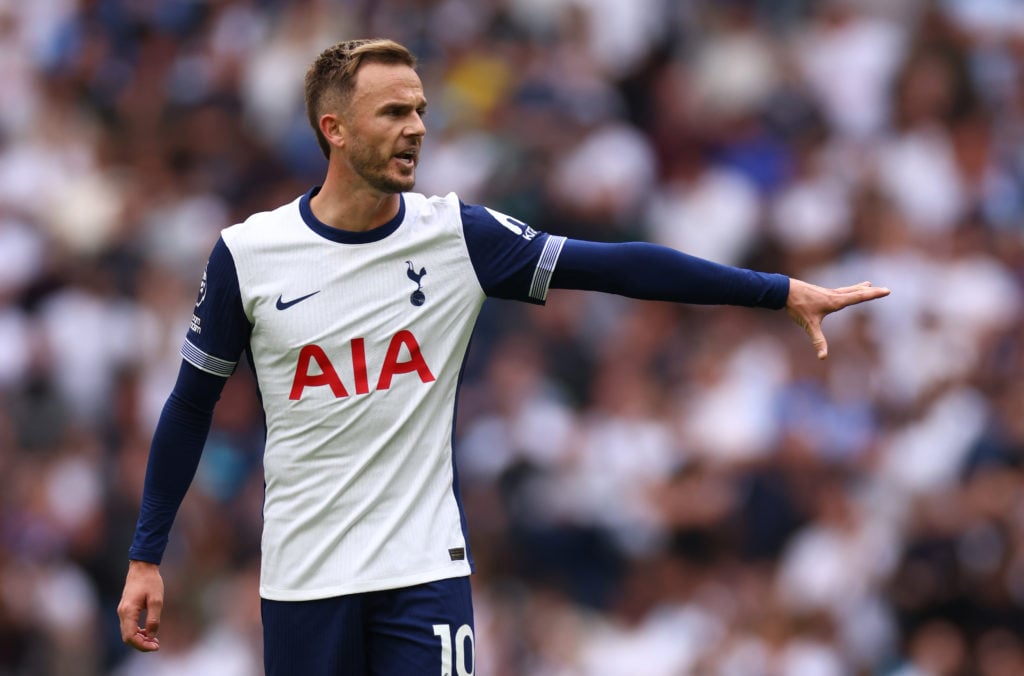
pixel 426 629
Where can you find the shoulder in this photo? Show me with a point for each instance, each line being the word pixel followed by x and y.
pixel 261 224
pixel 436 214
pixel 433 207
pixel 469 216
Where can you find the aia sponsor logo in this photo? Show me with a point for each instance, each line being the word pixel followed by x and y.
pixel 314 368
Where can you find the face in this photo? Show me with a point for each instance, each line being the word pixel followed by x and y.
pixel 384 126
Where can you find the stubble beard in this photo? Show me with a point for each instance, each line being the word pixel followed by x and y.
pixel 372 167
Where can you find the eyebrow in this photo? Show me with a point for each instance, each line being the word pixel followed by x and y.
pixel 402 102
pixel 403 105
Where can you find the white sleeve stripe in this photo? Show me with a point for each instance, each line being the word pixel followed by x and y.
pixel 205 362
pixel 546 267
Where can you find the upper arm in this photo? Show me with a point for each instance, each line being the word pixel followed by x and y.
pixel 219 330
pixel 511 259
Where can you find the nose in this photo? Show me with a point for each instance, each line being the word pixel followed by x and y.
pixel 416 127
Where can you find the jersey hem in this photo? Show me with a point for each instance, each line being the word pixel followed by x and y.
pixel 271 594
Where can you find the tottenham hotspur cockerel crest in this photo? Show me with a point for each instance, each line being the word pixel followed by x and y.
pixel 417 298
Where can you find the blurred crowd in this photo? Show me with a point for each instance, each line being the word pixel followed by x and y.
pixel 650 488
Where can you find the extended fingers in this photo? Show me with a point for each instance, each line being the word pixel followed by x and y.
pixel 853 287
pixel 859 293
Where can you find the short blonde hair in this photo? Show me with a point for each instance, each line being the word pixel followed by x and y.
pixel 331 78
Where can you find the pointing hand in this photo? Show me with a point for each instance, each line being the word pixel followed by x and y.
pixel 808 305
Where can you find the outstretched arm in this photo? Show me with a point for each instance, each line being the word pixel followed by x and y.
pixel 653 272
pixel 808 305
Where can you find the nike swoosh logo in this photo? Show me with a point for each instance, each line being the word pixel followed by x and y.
pixel 285 304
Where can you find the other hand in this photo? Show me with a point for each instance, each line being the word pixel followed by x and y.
pixel 143 591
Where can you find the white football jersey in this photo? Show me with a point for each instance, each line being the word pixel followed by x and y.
pixel 358 341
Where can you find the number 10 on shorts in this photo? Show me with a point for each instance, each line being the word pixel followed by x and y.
pixel 444 632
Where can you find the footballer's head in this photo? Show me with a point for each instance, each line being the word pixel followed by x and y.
pixel 331 79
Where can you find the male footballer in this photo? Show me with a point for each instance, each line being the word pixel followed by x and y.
pixel 356 302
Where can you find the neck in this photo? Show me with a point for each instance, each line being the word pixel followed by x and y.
pixel 347 203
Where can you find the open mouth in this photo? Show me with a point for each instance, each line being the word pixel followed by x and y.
pixel 407 157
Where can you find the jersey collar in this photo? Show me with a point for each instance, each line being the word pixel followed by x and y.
pixel 348 236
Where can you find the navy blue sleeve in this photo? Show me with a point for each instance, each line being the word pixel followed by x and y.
pixel 511 259
pixel 217 336
pixel 173 457
pixel 653 272
pixel 219 330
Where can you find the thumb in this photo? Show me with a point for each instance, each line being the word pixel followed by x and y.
pixel 153 609
pixel 812 327
pixel 818 341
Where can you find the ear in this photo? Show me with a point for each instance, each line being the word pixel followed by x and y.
pixel 333 129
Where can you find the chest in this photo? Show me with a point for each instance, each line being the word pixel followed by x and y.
pixel 337 296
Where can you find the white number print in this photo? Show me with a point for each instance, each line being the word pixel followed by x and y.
pixel 444 632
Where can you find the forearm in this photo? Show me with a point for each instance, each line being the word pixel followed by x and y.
pixel 173 458
pixel 653 272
